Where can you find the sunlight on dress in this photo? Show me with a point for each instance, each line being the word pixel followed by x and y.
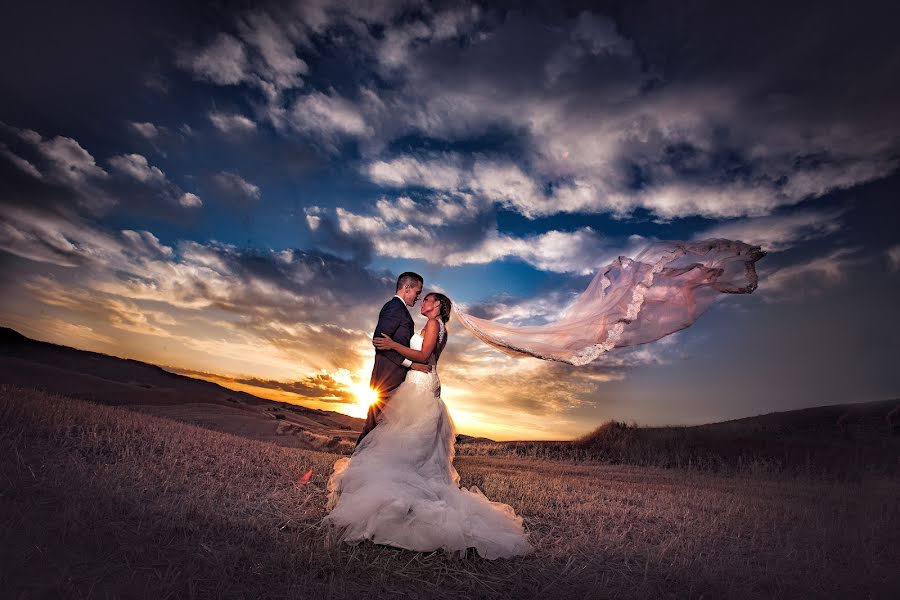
pixel 400 488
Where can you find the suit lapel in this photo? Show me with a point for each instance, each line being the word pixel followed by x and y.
pixel 403 304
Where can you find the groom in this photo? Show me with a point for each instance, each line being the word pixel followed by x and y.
pixel 390 367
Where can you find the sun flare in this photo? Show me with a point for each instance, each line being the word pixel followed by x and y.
pixel 365 396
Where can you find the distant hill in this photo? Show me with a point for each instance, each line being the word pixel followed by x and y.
pixel 134 384
pixel 867 433
pixel 843 441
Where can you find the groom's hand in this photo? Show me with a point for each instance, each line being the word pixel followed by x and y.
pixel 421 367
pixel 385 342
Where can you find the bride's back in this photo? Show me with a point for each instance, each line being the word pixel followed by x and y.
pixel 441 343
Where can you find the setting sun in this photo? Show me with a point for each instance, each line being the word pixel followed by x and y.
pixel 365 396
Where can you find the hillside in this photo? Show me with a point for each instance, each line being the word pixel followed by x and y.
pixel 151 389
pixel 846 439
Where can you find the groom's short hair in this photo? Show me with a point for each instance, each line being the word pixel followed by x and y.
pixel 409 278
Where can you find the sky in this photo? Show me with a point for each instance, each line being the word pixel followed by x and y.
pixel 230 190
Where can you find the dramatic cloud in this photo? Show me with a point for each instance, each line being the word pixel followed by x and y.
pixel 600 126
pixel 506 153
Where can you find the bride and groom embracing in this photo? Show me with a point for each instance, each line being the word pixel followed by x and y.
pixel 399 487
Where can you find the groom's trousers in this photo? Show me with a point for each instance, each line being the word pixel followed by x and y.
pixel 372 418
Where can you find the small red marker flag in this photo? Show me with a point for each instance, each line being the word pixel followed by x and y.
pixel 305 479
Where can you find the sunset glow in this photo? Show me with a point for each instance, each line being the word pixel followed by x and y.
pixel 239 208
pixel 365 397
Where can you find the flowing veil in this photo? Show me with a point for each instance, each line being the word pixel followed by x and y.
pixel 662 290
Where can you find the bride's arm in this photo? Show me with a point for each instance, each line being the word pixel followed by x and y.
pixel 428 342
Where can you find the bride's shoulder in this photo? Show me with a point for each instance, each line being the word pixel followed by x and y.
pixel 434 325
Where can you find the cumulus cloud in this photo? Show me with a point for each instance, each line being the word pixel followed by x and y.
pixel 328 116
pixel 60 161
pixel 260 51
pixel 236 186
pixel 67 162
pixel 490 181
pixel 405 229
pixel 278 62
pixel 189 200
pixel 70 162
pixel 223 61
pixel 408 171
pixel 231 123
pixel 137 167
pixel 146 129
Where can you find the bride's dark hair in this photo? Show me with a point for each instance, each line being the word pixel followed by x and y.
pixel 446 305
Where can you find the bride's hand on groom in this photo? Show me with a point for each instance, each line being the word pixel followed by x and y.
pixel 385 342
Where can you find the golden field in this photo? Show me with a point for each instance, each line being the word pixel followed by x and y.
pixel 99 501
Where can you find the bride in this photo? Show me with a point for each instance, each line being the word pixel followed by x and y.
pixel 400 487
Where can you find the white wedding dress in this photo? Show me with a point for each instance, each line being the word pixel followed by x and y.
pixel 399 487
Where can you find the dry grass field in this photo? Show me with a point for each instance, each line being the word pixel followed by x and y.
pixel 841 442
pixel 98 501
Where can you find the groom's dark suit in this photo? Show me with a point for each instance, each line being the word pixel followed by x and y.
pixel 388 372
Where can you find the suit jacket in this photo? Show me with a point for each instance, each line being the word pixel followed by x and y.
pixel 389 372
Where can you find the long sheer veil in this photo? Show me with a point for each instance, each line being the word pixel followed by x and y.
pixel 662 290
